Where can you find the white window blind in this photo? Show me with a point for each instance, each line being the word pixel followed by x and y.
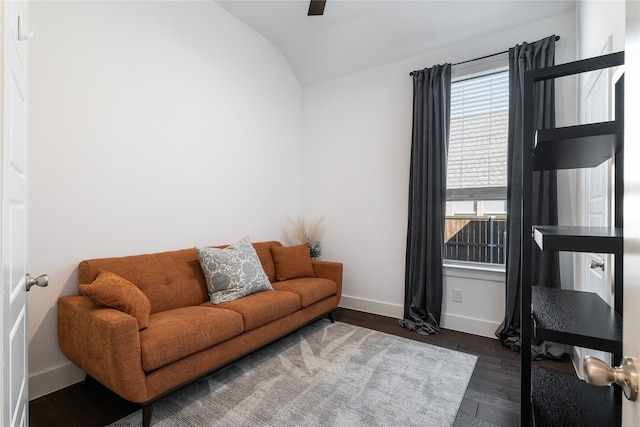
pixel 477 166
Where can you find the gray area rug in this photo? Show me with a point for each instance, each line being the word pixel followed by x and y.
pixel 326 375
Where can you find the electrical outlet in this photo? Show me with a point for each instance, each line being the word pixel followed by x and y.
pixel 457 295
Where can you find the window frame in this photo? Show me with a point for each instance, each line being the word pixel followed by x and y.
pixel 466 71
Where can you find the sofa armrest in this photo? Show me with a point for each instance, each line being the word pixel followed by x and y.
pixel 103 342
pixel 329 270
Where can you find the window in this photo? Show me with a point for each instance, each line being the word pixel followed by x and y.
pixel 477 169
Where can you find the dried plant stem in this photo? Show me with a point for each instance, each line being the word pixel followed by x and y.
pixel 315 230
pixel 298 231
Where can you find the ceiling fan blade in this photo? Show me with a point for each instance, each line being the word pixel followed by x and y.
pixel 316 7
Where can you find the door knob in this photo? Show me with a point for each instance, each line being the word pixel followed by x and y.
pixel 596 264
pixel 598 373
pixel 41 281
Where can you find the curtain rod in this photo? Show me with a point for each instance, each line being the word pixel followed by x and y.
pixel 482 57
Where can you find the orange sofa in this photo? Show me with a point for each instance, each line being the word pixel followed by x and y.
pixel 144 350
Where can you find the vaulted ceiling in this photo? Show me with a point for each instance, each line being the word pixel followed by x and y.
pixel 354 35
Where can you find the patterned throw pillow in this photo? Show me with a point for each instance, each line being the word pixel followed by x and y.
pixel 232 272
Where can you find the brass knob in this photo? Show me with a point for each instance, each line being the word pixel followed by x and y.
pixel 598 373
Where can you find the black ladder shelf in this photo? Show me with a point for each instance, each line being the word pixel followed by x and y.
pixel 566 316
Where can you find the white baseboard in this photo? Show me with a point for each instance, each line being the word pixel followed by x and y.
pixel 448 321
pixel 374 307
pixel 469 325
pixel 576 360
pixel 43 383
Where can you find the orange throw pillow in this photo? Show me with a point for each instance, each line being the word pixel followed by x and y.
pixel 111 290
pixel 292 262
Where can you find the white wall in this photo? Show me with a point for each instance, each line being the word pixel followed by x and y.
pixel 357 137
pixel 153 126
pixel 597 20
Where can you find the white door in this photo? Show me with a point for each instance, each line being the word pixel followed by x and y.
pixel 14 215
pixel 595 203
pixel 631 318
pixel 598 184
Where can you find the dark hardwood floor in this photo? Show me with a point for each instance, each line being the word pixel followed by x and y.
pixel 492 397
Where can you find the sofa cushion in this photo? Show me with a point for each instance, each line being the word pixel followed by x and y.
pixel 169 279
pixel 232 272
pixel 292 262
pixel 310 289
pixel 175 334
pixel 111 290
pixel 263 307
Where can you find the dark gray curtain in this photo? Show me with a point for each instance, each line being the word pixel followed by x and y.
pixel 427 198
pixel 546 270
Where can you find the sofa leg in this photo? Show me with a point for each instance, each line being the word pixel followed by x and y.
pixel 88 380
pixel 147 411
pixel 330 314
